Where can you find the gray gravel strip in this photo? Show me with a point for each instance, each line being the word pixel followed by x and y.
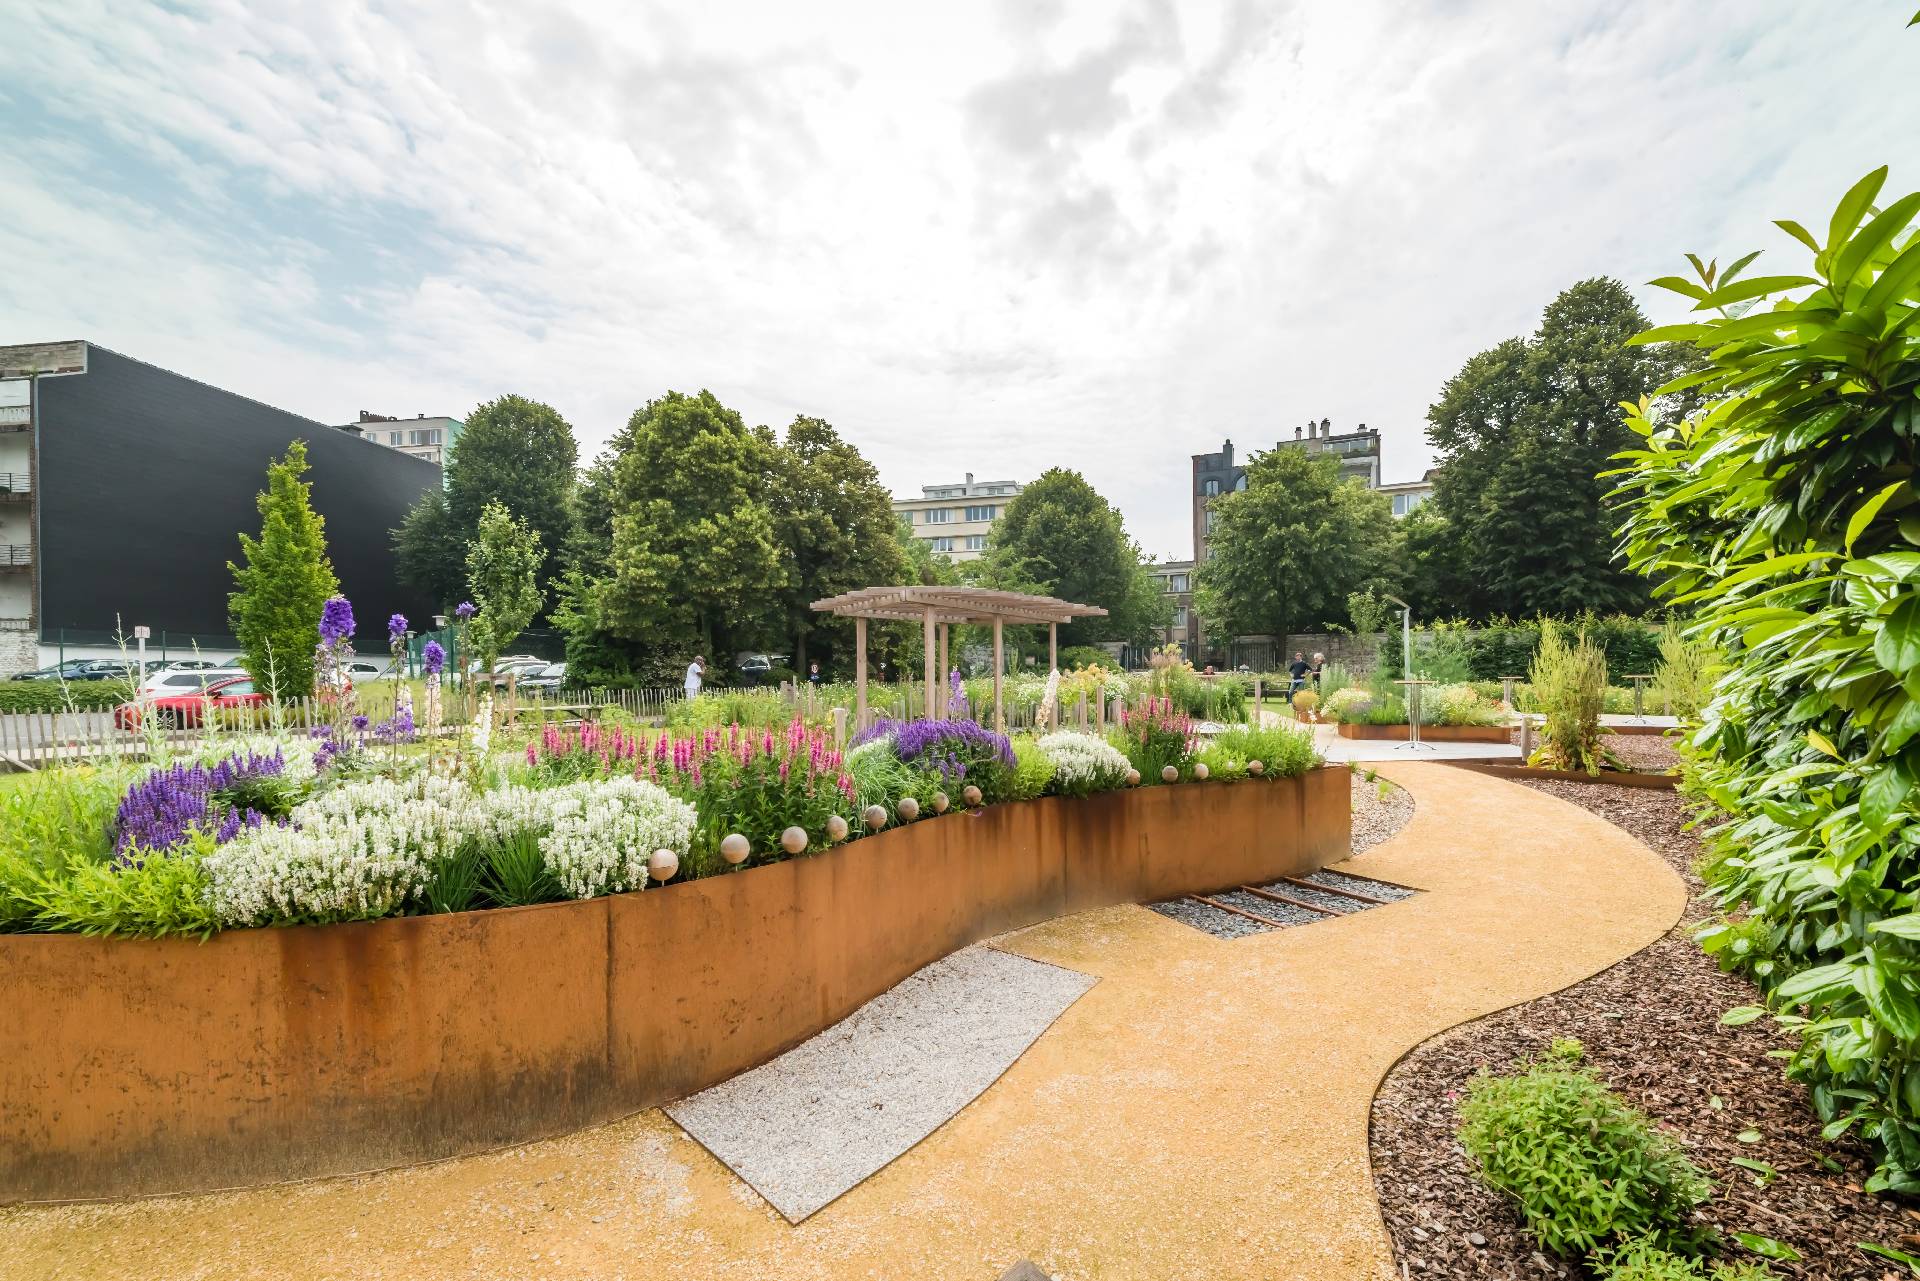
pixel 1285 913
pixel 1222 925
pixel 1359 884
pixel 1377 816
pixel 1319 898
pixel 810 1125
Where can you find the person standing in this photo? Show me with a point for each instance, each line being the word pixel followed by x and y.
pixel 813 674
pixel 1297 670
pixel 694 669
pixel 1319 661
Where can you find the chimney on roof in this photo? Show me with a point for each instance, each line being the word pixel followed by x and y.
pixel 1326 427
pixel 1363 426
pixel 1296 433
pixel 969 478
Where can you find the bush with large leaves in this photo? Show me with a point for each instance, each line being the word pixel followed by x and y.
pixel 1785 513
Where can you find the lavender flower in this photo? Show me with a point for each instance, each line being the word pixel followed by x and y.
pixel 396 627
pixel 336 620
pixel 164 809
pixel 435 657
pixel 464 610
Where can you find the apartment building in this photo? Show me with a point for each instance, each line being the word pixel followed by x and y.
pixel 1175 578
pixel 420 436
pixel 1408 494
pixel 124 488
pixel 953 519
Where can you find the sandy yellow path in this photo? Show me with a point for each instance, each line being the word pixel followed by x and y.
pixel 1201 1113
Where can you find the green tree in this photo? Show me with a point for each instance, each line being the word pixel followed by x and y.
pixel 923 565
pixel 1286 551
pixel 516 452
pixel 275 605
pixel 695 558
pixel 836 522
pixel 503 566
pixel 428 554
pixel 1524 431
pixel 1059 537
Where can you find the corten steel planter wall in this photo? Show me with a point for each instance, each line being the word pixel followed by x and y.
pixel 1429 733
pixel 136 1067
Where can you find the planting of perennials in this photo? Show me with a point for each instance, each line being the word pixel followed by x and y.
pixel 359 822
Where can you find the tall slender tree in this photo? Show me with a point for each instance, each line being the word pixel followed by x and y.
pixel 286 578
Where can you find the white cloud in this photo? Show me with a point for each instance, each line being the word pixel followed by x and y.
pixel 1066 234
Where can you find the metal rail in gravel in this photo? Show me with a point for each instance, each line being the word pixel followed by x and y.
pixel 1313 898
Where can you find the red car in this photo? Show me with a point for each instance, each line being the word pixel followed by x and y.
pixel 190 709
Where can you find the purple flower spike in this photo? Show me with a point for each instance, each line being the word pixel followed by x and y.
pixel 464 610
pixel 360 722
pixel 336 620
pixel 435 657
pixel 396 627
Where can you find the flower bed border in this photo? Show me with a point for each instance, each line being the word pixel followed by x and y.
pixel 1617 777
pixel 264 1055
pixel 1428 733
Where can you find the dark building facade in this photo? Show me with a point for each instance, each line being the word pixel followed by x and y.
pixel 142 481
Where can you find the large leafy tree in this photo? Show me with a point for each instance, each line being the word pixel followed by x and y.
pixel 695 559
pixel 1524 432
pixel 1059 537
pixel 1286 551
pixel 516 452
pixel 836 523
pixel 286 578
pixel 503 566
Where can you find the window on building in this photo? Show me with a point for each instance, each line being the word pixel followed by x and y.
pixel 394 437
pixel 1179 615
pixel 939 515
pixel 976 542
pixel 1209 520
pixel 942 544
pixel 1210 487
pixel 985 512
pixel 1240 481
pixel 1176 583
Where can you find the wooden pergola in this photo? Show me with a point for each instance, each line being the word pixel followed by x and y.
pixel 937 609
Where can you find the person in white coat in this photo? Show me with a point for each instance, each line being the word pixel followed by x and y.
pixel 697 666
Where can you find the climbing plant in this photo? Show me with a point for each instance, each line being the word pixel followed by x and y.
pixel 1784 514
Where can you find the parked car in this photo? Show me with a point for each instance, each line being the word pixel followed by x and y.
pixel 167 682
pixel 543 680
pixel 515 665
pixel 110 669
pixel 360 671
pixel 58 672
pixel 194 665
pixel 757 669
pixel 188 710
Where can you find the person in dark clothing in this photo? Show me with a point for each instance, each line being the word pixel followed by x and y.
pixel 1298 670
pixel 813 674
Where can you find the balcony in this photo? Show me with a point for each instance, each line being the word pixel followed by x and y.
pixel 15 556
pixel 16 418
pixel 16 486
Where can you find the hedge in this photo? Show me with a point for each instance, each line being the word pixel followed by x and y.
pixel 1504 647
pixel 59 696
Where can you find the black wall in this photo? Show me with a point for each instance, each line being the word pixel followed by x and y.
pixel 147 479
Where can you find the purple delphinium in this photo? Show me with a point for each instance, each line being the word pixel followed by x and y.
pixel 396 627
pixel 434 656
pixel 956 740
pixel 464 610
pixel 162 810
pixel 397 728
pixel 361 722
pixel 336 620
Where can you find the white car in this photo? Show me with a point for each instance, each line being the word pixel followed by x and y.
pixel 168 682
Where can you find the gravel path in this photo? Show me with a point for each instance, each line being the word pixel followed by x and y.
pixel 1651 1026
pixel 815 1122
pixel 1380 809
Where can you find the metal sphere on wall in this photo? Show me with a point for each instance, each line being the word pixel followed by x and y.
pixel 876 817
pixel 1170 773
pixel 940 802
pixel 734 848
pixel 1255 768
pixel 794 840
pixel 908 809
pixel 1133 778
pixel 836 828
pixel 1200 769
pixel 972 796
pixel 662 865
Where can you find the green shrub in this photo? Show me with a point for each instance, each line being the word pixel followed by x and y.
pixel 60 696
pixel 1032 770
pixel 1645 1261
pixel 1588 1172
pixel 1569 680
pixel 1683 679
pixel 1072 656
pixel 1458 705
pixel 1785 514
pixel 1285 753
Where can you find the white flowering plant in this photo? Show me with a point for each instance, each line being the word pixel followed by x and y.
pixel 1083 764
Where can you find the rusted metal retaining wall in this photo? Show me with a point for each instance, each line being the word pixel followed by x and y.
pixel 135 1067
pixel 1430 733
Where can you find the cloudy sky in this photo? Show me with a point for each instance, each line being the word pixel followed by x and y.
pixel 977 237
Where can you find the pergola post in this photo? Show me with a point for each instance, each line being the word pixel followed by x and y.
pixel 999 702
pixel 1053 647
pixel 926 639
pixel 946 655
pixel 859 674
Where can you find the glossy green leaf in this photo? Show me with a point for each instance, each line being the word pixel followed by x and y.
pixel 1756 287
pixel 1897 647
pixel 1877 235
pixel 1767 1247
pixel 1852 206
pixel 1868 510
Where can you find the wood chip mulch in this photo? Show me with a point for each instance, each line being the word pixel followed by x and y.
pixel 1651 1026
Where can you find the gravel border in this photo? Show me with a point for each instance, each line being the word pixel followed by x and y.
pixel 1380 809
pixel 1651 1028
pixel 813 1123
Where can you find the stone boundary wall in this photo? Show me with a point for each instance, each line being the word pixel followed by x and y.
pixel 152 1066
